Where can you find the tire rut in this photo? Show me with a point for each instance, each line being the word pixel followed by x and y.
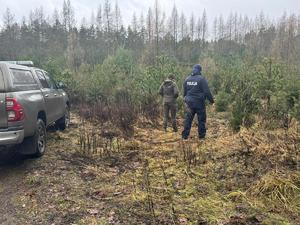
pixel 12 171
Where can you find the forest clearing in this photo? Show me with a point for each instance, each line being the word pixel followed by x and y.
pixel 113 65
pixel 156 178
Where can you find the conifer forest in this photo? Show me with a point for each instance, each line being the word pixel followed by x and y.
pixel 115 163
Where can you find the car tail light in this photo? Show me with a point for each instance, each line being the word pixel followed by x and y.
pixel 14 110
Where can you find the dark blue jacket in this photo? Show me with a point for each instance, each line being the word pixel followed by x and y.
pixel 196 89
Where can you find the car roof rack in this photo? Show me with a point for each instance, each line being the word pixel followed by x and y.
pixel 22 63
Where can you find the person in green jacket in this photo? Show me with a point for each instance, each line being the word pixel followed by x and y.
pixel 169 91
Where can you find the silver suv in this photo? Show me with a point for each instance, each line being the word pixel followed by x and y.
pixel 30 100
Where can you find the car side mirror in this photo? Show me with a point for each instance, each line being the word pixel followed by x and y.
pixel 61 85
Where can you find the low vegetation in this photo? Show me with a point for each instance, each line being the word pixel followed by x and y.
pixel 250 177
pixel 115 165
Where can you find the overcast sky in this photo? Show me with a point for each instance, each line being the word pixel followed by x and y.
pixel 83 8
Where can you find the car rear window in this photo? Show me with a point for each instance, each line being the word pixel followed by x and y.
pixel 23 80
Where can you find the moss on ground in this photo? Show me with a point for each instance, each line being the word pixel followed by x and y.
pixel 251 177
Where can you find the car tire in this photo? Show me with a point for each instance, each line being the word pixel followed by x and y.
pixel 64 122
pixel 36 145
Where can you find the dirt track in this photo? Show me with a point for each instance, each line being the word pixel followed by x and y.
pixel 17 178
pixel 12 170
pixel 148 173
pixel 63 187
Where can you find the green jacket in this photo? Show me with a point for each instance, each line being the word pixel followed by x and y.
pixel 169 91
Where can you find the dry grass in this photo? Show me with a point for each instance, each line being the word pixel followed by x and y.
pixel 279 189
pixel 155 178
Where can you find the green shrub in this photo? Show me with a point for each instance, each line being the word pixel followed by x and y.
pixel 237 116
pixel 222 101
pixel 296 111
pixel 216 83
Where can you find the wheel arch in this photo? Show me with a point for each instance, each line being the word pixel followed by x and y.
pixel 42 115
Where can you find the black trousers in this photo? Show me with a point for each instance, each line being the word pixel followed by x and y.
pixel 189 116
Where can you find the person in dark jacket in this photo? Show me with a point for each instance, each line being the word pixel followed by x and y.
pixel 169 91
pixel 196 91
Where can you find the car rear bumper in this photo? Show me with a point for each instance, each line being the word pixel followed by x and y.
pixel 11 137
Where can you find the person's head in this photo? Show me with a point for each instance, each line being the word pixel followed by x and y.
pixel 197 69
pixel 171 77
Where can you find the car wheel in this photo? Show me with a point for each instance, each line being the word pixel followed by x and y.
pixel 36 145
pixel 64 122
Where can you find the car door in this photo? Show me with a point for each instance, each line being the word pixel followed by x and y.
pixel 3 113
pixel 58 98
pixel 49 97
